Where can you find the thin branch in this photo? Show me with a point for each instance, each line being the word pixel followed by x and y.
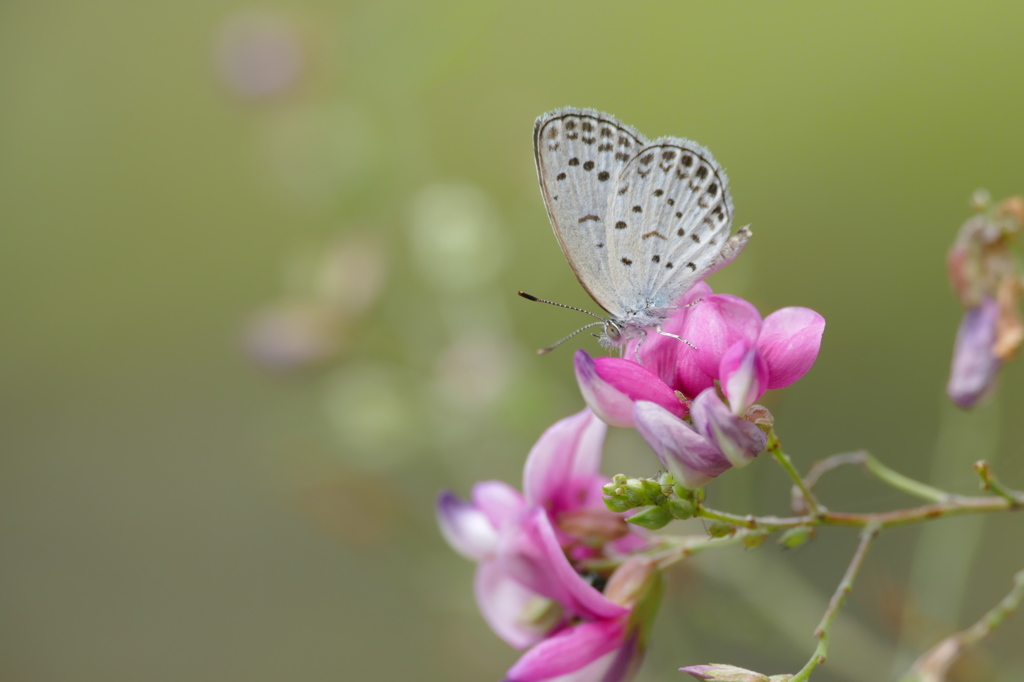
pixel 869 533
pixel 990 482
pixel 878 470
pixel 774 446
pixel 954 506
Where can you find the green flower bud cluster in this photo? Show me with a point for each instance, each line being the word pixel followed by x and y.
pixel 666 500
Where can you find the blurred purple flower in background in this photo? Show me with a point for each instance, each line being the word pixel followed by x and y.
pixel 974 361
pixel 985 279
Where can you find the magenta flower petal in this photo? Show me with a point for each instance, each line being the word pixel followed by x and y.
pixel 974 362
pixel 498 501
pixel 717 323
pixel 744 376
pixel 568 651
pixel 690 457
pixel 466 528
pixel 738 440
pixel 611 385
pixel 503 602
pixel 690 379
pixel 565 459
pixel 529 551
pixel 661 353
pixel 790 340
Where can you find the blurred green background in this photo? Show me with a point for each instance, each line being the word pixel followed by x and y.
pixel 259 270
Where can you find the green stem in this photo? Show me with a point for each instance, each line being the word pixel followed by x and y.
pixel 766 523
pixel 990 482
pixel 954 506
pixel 774 446
pixel 694 545
pixel 869 533
pixel 668 550
pixel 878 470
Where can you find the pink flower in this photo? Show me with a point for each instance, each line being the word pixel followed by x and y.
pixel 694 454
pixel 526 586
pixel 730 343
pixel 749 355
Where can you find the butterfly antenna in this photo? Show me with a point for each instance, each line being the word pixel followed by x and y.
pixel 553 346
pixel 528 297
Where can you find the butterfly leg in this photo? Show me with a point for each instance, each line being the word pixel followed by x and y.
pixel 636 351
pixel 675 336
pixel 688 305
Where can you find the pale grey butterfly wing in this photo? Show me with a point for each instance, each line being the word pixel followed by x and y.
pixel 669 222
pixel 580 154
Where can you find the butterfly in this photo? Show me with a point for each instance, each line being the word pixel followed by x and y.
pixel 640 222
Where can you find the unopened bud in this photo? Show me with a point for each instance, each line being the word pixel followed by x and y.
pixel 618 480
pixel 681 509
pixel 651 518
pixel 759 415
pixel 592 526
pixel 721 529
pixel 682 493
pixel 794 537
pixel 980 199
pixel 618 504
pixel 719 672
pixel 753 539
pixel 631 581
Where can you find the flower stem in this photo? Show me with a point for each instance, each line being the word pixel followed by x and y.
pixel 867 535
pixel 766 523
pixel 688 546
pixel 954 506
pixel 774 446
pixel 990 482
pixel 879 471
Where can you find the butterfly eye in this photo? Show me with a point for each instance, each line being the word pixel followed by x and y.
pixel 612 331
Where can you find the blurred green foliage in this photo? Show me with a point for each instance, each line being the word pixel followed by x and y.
pixel 171 509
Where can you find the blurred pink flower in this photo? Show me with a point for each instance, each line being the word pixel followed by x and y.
pixel 526 585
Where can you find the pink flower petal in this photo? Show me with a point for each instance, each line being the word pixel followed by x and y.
pixel 530 553
pixel 744 376
pixel 717 323
pixel 566 458
pixel 689 456
pixel 611 385
pixel 568 651
pixel 466 528
pixel 738 440
pixel 502 602
pixel 789 342
pixel 498 501
pixel 690 379
pixel 661 354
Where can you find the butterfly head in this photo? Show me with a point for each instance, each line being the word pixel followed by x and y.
pixel 613 332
